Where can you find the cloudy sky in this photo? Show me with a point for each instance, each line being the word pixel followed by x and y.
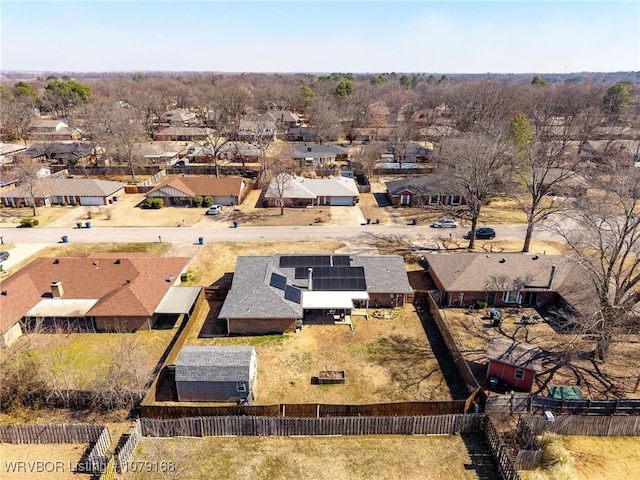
pixel 321 36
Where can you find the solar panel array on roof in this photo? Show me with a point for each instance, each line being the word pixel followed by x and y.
pixel 293 294
pixel 341 261
pixel 292 261
pixel 278 281
pixel 301 272
pixel 339 278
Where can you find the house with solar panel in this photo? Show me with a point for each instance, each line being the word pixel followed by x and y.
pixel 280 293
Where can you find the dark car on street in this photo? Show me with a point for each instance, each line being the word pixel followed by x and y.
pixel 484 233
pixel 3 255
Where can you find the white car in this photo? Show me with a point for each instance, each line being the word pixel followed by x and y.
pixel 445 223
pixel 214 210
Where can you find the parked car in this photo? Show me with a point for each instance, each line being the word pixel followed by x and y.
pixel 484 233
pixel 214 210
pixel 445 223
pixel 4 255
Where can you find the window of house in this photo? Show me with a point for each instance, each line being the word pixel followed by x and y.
pixel 433 199
pixel 456 200
pixel 241 387
pixel 519 375
pixel 511 297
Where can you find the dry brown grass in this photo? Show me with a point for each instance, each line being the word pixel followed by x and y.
pixel 384 361
pixel 370 208
pixel 58 461
pixel 10 217
pixel 380 457
pixel 155 249
pixel 291 217
pixel 593 458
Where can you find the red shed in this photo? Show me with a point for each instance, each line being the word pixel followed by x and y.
pixel 514 362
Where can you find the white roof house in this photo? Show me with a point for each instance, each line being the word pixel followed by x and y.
pixel 334 191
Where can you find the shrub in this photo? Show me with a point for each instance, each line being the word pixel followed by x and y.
pixel 65 204
pixel 154 203
pixel 207 201
pixel 197 200
pixel 29 222
pixel 2 205
pixel 481 304
pixel 76 204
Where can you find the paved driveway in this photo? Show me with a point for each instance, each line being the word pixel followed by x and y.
pixel 19 253
pixel 347 216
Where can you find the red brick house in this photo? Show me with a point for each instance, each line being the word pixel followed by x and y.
pixel 181 189
pixel 507 279
pixel 515 363
pixel 89 292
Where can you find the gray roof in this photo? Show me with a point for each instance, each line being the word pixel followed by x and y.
pixel 304 151
pixel 252 296
pixel 80 187
pixel 214 364
pixel 422 185
pixel 518 354
pixel 300 187
pixel 384 273
pixel 178 300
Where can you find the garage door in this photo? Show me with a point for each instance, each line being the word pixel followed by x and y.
pixel 341 201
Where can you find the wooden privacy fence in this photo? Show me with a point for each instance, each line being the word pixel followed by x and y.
pixel 501 454
pixel 529 455
pixel 50 433
pixel 461 364
pixel 123 455
pixel 599 426
pixel 94 460
pixel 289 426
pixel 307 410
pixel 526 403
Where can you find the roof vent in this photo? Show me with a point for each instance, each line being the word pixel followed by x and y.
pixel 535 257
pixel 170 278
pixel 127 281
pixel 56 261
pixel 117 262
pixel 503 260
pixel 96 262
pixel 4 292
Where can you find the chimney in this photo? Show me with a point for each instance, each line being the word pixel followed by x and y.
pixel 553 274
pixel 56 289
pixel 310 279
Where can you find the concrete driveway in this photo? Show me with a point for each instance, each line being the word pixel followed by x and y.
pixel 347 216
pixel 19 253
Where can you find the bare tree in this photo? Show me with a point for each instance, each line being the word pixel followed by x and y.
pixel 26 172
pixel 18 115
pixel 477 166
pixel 281 167
pixel 325 122
pixel 603 234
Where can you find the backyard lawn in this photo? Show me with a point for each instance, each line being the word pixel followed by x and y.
pixel 272 458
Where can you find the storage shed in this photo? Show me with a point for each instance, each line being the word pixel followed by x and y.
pixel 515 363
pixel 216 374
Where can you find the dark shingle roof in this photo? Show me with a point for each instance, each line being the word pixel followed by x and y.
pixel 518 354
pixel 214 364
pixel 422 185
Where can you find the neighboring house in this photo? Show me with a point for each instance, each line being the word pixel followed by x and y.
pixel 182 134
pixel 251 131
pixel 158 153
pixel 8 152
pixel 509 279
pixel 300 191
pixel 57 191
pixel 179 117
pixel 318 155
pixel 412 153
pixel 276 294
pixel 424 190
pixel 59 152
pixel 181 189
pixel 515 363
pixel 7 181
pixel 284 119
pixel 302 134
pixel 53 130
pixel 93 292
pixel 216 374
pixel 231 151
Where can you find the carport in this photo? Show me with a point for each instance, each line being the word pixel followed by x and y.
pixel 178 301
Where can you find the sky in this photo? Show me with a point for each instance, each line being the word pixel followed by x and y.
pixel 419 36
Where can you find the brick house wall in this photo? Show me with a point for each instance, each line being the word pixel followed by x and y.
pixel 386 299
pixel 260 326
